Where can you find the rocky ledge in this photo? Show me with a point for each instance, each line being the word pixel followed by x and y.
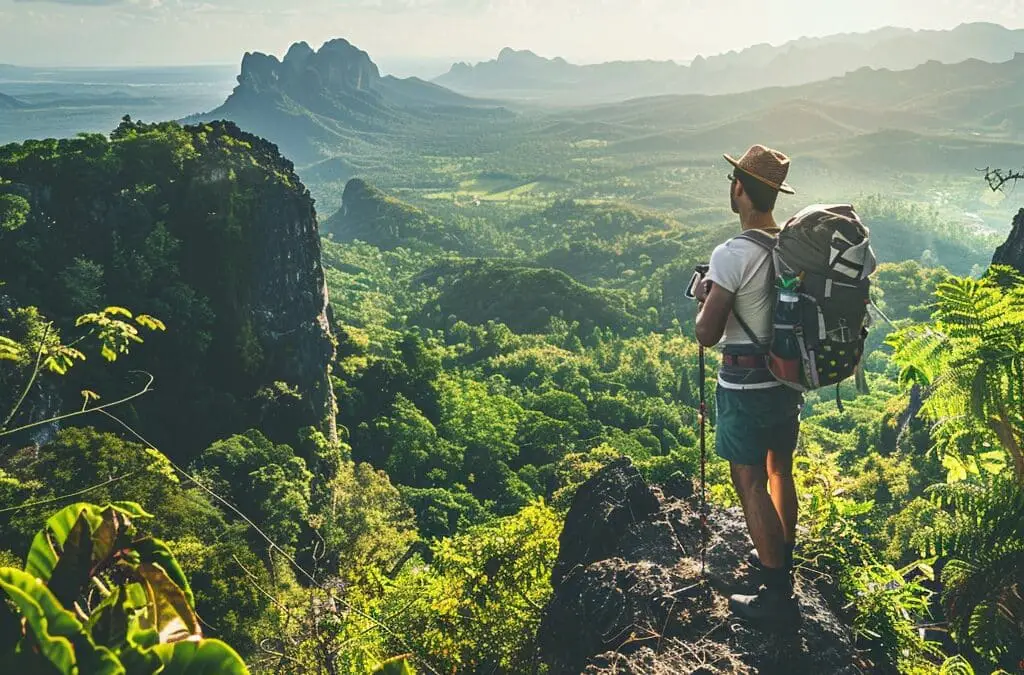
pixel 628 597
pixel 1011 252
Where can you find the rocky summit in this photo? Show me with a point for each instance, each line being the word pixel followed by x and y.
pixel 316 104
pixel 1011 252
pixel 628 595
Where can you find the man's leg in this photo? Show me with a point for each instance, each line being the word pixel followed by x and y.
pixel 766 530
pixel 783 492
pixel 775 600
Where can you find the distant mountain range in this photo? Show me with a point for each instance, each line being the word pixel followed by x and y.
pixel 333 101
pixel 526 77
pixel 955 117
pixel 331 111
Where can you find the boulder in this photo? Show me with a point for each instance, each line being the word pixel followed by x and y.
pixel 629 596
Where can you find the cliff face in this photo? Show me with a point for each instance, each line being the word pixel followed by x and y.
pixel 627 601
pixel 1011 252
pixel 209 229
pixel 288 302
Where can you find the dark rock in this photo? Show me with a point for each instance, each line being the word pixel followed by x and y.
pixel 628 596
pixel 615 500
pixel 1011 252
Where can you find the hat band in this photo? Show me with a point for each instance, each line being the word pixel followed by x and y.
pixel 776 186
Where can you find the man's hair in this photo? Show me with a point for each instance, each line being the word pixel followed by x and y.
pixel 761 196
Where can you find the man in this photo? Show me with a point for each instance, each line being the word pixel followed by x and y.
pixel 758 417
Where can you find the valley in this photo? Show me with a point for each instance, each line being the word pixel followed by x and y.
pixel 422 377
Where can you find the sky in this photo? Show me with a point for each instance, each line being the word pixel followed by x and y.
pixel 403 35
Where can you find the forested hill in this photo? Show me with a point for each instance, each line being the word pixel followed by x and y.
pixel 205 227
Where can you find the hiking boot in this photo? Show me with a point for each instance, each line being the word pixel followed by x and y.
pixel 768 604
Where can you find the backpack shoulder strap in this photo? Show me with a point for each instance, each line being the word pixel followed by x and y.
pixel 767 242
pixel 759 237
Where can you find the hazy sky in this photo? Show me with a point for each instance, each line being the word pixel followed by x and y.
pixel 137 32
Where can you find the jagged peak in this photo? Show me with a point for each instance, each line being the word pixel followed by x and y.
pixel 300 51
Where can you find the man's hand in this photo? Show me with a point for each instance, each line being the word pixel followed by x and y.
pixel 701 292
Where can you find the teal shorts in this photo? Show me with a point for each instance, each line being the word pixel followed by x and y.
pixel 750 422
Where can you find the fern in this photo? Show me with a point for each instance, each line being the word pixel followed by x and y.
pixel 983 581
pixel 970 360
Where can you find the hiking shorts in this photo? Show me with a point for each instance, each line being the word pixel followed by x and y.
pixel 750 422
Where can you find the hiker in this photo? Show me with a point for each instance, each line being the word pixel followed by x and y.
pixel 758 417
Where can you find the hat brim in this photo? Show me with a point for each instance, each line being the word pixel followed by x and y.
pixel 784 187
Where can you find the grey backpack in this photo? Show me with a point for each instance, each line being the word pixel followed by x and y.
pixel 828 249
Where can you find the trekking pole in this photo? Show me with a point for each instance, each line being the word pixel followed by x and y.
pixel 703 462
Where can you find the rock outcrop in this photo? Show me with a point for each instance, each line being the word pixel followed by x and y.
pixel 1011 252
pixel 333 101
pixel 628 598
pixel 369 214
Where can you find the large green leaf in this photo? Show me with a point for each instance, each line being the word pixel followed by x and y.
pixel 59 636
pixel 168 611
pixel 206 657
pixel 42 556
pixel 152 550
pixel 396 665
pixel 10 630
pixel 74 566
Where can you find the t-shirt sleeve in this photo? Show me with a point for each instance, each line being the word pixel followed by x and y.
pixel 726 268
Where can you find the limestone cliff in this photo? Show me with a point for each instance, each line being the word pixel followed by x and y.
pixel 207 228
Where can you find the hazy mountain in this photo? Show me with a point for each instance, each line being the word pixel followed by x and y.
pixel 524 76
pixel 318 103
pixel 8 102
pixel 969 97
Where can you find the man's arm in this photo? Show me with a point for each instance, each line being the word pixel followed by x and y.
pixel 713 314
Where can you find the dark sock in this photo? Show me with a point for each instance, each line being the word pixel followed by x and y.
pixel 777 578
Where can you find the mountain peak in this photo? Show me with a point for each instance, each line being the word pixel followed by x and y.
pixel 338 67
pixel 298 53
pixel 521 55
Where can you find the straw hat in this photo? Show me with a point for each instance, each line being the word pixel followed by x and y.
pixel 766 165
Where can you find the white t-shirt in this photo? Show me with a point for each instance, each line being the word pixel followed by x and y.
pixel 741 267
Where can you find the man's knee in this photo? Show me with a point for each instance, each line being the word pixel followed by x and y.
pixel 749 479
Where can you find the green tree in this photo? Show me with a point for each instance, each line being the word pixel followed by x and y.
pixel 266 481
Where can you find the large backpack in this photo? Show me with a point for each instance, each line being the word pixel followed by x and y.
pixel 828 249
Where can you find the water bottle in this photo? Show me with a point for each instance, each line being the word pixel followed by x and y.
pixel 784 358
